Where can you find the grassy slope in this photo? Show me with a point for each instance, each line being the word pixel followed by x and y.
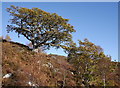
pixel 38 68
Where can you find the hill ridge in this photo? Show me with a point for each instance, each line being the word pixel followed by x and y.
pixel 28 68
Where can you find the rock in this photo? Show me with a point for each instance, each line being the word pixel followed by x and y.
pixel 72 73
pixel 48 65
pixel 38 62
pixel 32 84
pixel 56 70
pixel 53 57
pixel 7 75
pixel 35 50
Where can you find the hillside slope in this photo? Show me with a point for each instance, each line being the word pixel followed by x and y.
pixel 27 68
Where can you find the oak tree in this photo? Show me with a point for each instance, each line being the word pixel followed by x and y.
pixel 40 27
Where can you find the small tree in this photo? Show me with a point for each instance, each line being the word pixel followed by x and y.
pixel 106 72
pixel 84 58
pixel 7 37
pixel 1 37
pixel 40 27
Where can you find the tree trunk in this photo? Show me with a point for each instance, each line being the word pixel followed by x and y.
pixel 34 46
pixel 104 79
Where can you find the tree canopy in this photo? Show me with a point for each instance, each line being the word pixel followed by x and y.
pixel 86 59
pixel 40 27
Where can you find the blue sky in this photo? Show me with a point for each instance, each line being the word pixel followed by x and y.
pixel 97 21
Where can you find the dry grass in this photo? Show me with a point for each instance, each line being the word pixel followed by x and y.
pixel 38 68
